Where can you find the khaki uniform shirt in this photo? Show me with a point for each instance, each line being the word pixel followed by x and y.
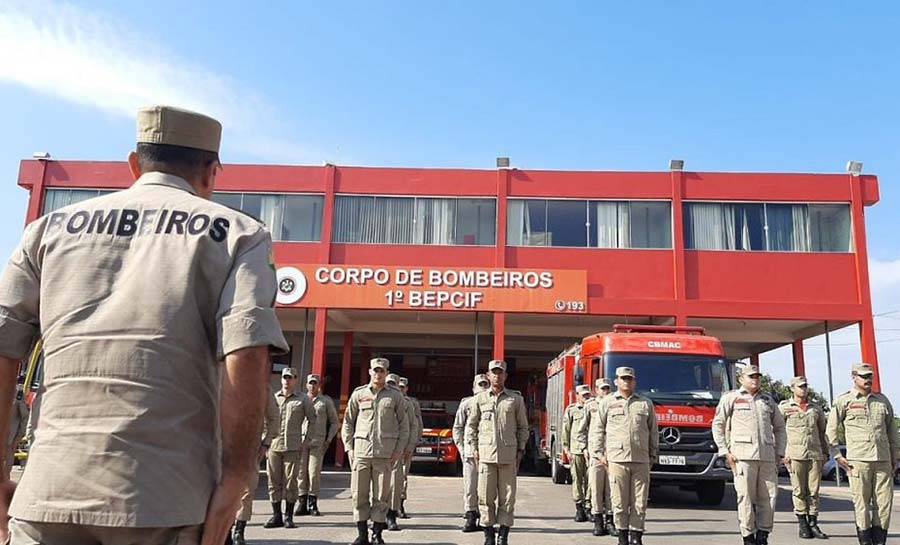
pixel 417 427
pixel 574 432
pixel 322 427
pixel 459 428
pixel 805 430
pixel 750 427
pixel 869 427
pixel 137 295
pixel 497 426
pixel 271 422
pixel 415 431
pixel 626 430
pixel 18 420
pixel 591 421
pixel 295 411
pixel 375 423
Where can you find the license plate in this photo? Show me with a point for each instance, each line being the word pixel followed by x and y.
pixel 423 450
pixel 671 460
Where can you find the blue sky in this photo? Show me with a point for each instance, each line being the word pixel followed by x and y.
pixel 762 87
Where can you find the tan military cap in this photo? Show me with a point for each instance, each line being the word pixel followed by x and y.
pixel 582 389
pixel 749 370
pixel 479 378
pixel 403 381
pixel 862 369
pixel 289 372
pixel 379 363
pixel 393 378
pixel 496 364
pixel 313 378
pixel 177 127
pixel 624 372
pixel 603 383
pixel 799 381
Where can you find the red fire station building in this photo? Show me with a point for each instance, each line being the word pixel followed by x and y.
pixel 439 268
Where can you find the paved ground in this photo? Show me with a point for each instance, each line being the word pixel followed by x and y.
pixel 544 517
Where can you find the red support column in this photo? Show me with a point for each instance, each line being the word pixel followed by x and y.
pixel 36 196
pixel 799 360
pixel 867 324
pixel 319 331
pixel 680 284
pixel 499 335
pixel 754 359
pixel 327 214
pixel 345 392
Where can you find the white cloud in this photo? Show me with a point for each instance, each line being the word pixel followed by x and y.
pixel 94 60
pixel 885 279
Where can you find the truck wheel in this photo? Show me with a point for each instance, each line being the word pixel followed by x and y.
pixel 710 492
pixel 557 471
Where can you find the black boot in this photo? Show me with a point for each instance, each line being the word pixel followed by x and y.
pixel 580 515
pixel 864 536
pixel 377 528
pixel 611 525
pixel 362 530
pixel 471 522
pixel 276 521
pixel 623 536
pixel 600 525
pixel 237 535
pixel 503 536
pixel 635 537
pixel 879 535
pixel 392 521
pixel 750 540
pixel 302 506
pixel 490 536
pixel 817 532
pixel 804 532
pixel 289 515
pixel 762 537
pixel 402 513
pixel 314 506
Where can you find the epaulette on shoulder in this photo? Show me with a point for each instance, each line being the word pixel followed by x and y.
pixel 360 387
pixel 518 393
pixel 243 213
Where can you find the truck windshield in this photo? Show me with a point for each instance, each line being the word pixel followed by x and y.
pixel 675 376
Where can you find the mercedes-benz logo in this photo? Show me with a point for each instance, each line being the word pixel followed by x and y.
pixel 670 436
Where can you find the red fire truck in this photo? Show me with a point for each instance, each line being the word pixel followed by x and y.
pixel 684 372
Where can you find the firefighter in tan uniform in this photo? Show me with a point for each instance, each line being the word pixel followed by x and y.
pixel 574 444
pixel 271 425
pixel 470 468
pixel 415 430
pixel 17 423
pixel 626 440
pixel 283 459
pixel 156 310
pixel 598 478
pixel 497 432
pixel 749 430
pixel 375 431
pixel 872 449
pixel 398 468
pixel 318 432
pixel 807 448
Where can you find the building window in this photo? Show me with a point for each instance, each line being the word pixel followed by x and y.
pixel 776 227
pixel 595 224
pixel 289 217
pixel 55 199
pixel 414 220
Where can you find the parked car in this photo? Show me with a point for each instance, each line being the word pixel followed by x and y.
pixel 436 448
pixel 830 468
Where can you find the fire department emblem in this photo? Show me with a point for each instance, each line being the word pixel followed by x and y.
pixel 670 436
pixel 291 285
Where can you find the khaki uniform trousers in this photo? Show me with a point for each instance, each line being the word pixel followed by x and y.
pixel 598 484
pixel 497 493
pixel 398 478
pixel 246 509
pixel 470 485
pixel 756 485
pixel 629 483
pixel 6 463
pixel 806 475
pixel 51 533
pixel 872 486
pixel 406 467
pixel 310 470
pixel 370 486
pixel 578 469
pixel 281 468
